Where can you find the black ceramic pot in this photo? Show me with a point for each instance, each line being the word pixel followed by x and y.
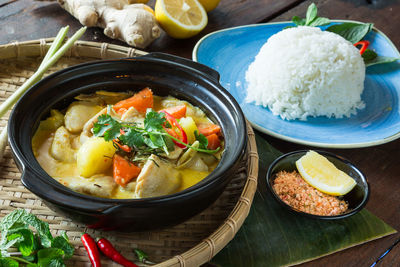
pixel 165 75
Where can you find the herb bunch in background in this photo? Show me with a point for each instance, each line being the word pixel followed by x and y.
pixel 351 31
pixel 36 248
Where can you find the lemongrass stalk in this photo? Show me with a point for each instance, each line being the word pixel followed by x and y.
pixel 3 141
pixel 55 45
pixel 53 54
pixel 10 101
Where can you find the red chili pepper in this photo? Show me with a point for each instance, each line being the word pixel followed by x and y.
pixel 107 248
pixel 364 46
pixel 173 123
pixel 125 148
pixel 91 248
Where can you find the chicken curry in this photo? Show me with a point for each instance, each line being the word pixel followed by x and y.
pixel 124 145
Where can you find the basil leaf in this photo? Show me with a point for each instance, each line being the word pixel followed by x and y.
pixel 319 22
pixel 353 32
pixel 7 262
pixel 380 60
pixel 311 13
pixel 298 21
pixel 371 58
pixel 369 55
pixel 62 243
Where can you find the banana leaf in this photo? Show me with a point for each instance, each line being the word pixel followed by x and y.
pixel 273 236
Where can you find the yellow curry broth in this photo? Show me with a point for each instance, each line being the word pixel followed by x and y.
pixel 67 172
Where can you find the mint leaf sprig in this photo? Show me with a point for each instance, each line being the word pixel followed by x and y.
pixel 151 139
pixel 311 19
pixel 36 248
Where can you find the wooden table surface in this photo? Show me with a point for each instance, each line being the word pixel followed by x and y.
pixel 22 20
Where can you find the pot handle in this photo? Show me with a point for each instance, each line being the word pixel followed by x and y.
pixel 54 194
pixel 213 74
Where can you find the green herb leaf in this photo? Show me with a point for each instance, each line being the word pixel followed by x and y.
pixel 154 121
pixel 19 218
pixel 319 22
pixel 353 32
pixel 108 127
pixel 369 55
pixel 157 140
pixel 50 257
pixel 16 231
pixel 298 21
pixel 25 241
pixel 371 58
pixel 62 242
pixel 169 143
pixel 380 60
pixel 132 138
pixel 7 262
pixel 311 13
pixel 202 140
pixel 141 255
pixel 311 18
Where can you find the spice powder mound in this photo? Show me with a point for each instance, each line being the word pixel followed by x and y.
pixel 297 193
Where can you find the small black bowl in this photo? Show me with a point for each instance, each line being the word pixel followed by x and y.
pixel 165 75
pixel 356 198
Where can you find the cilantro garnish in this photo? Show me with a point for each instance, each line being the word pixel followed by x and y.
pixel 107 127
pixel 151 139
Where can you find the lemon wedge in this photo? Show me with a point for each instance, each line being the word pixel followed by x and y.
pixel 181 18
pixel 209 4
pixel 320 173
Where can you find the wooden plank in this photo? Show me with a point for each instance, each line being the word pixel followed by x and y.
pixel 27 20
pixel 380 163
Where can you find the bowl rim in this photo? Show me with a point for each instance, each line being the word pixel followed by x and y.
pixel 314 216
pixel 28 167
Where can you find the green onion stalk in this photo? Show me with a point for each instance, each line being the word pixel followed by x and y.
pixel 55 52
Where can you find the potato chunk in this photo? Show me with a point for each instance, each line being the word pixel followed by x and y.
pixel 95 156
pixel 189 126
pixel 78 114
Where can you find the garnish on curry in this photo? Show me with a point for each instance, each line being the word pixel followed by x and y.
pixel 115 145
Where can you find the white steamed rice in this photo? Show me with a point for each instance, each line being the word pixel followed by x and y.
pixel 303 71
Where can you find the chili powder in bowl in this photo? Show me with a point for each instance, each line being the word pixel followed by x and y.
pixel 294 193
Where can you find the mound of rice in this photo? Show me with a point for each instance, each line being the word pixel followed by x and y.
pixel 303 71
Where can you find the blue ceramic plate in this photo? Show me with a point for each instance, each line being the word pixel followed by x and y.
pixel 231 51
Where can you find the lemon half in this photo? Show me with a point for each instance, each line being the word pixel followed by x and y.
pixel 181 18
pixel 320 173
pixel 209 5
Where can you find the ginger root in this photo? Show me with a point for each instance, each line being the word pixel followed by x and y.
pixel 126 20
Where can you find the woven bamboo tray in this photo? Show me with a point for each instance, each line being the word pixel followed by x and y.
pixel 191 243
